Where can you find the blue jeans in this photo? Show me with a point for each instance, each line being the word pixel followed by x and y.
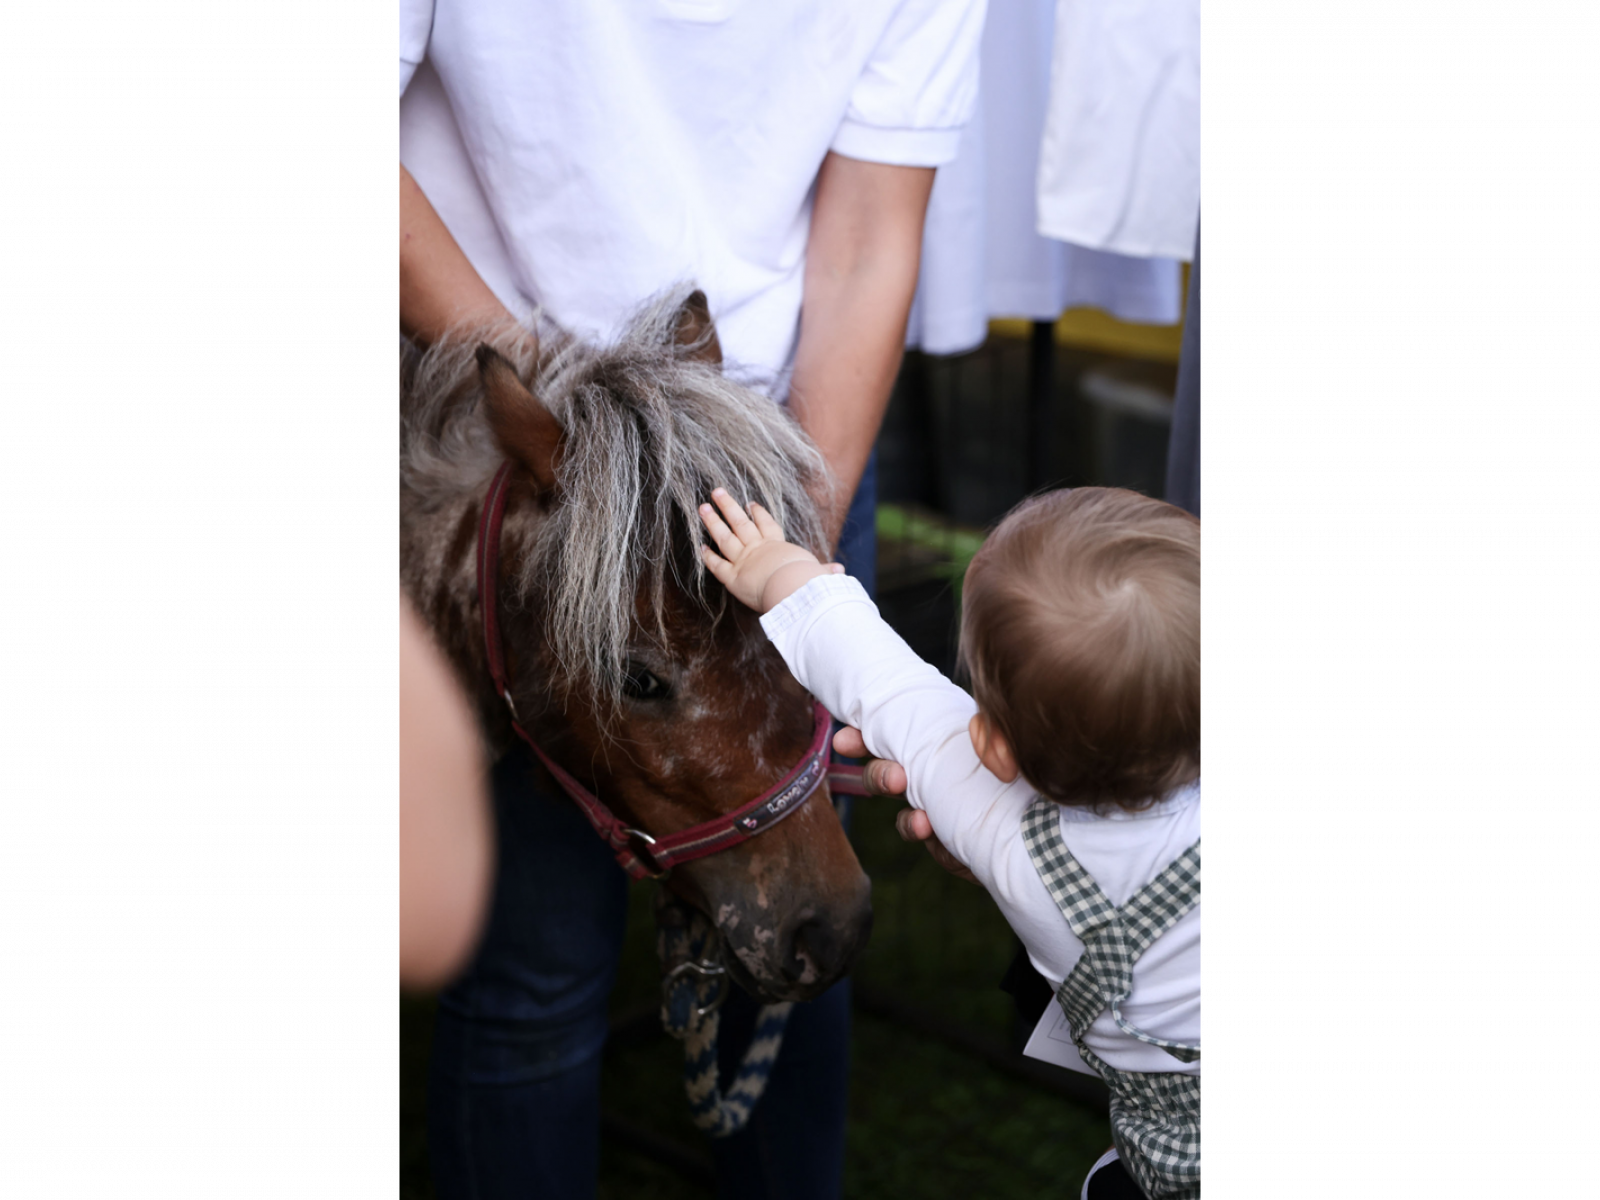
pixel 514 1083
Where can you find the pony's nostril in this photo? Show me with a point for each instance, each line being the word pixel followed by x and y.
pixel 816 949
pixel 812 950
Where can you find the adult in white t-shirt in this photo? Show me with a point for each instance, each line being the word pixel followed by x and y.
pixel 577 156
pixel 584 154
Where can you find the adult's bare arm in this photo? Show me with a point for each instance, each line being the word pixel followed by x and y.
pixel 861 273
pixel 439 289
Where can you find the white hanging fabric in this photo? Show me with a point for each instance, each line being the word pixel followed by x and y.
pixel 981 255
pixel 1119 166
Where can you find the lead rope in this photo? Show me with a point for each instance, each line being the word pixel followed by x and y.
pixel 695 983
pixel 693 987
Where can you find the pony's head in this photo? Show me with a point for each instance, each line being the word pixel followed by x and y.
pixel 630 666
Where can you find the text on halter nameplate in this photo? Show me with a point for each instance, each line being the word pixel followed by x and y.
pixel 802 786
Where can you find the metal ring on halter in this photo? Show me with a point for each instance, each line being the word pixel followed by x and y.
pixel 706 970
pixel 506 696
pixel 646 856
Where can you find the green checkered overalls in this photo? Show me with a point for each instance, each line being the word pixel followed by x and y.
pixel 1155 1117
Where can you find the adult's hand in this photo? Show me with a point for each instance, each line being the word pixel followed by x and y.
pixel 884 778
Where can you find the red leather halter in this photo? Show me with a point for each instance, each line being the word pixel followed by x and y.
pixel 641 855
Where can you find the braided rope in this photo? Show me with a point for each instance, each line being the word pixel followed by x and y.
pixel 692 993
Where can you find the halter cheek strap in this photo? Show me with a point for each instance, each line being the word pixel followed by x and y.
pixel 640 854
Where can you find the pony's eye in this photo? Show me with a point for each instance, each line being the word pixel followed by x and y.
pixel 640 684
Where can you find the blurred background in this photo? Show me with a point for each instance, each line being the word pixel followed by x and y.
pixel 941 1102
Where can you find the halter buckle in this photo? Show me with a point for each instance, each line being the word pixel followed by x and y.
pixel 706 971
pixel 511 704
pixel 642 853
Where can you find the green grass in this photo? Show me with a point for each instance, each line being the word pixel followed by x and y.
pixel 937 1125
pixel 950 547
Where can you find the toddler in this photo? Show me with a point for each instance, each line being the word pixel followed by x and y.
pixel 1068 782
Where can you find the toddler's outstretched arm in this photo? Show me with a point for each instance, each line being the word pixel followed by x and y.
pixel 757 565
pixel 837 645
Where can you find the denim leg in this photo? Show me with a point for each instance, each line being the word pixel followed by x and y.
pixel 514 1083
pixel 858 541
pixel 793 1147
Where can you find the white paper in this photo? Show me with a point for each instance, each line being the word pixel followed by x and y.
pixel 1052 1042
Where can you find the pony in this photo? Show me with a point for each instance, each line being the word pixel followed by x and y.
pixel 629 667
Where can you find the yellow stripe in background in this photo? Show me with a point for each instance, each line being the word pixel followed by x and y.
pixel 1095 329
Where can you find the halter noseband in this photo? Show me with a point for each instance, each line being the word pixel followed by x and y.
pixel 640 854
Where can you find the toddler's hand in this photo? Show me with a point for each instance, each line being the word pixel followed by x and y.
pixel 756 564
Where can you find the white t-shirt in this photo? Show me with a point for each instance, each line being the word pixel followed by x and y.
pixel 831 636
pixel 981 255
pixel 588 153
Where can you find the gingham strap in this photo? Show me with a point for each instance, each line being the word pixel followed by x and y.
pixel 1113 939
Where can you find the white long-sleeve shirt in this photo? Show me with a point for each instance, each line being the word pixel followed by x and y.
pixel 837 645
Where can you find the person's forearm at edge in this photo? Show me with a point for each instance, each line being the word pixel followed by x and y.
pixel 861 273
pixel 446 823
pixel 439 289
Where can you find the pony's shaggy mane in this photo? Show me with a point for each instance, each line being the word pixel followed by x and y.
pixel 648 432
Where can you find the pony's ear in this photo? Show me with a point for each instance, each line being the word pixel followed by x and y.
pixel 695 330
pixel 524 427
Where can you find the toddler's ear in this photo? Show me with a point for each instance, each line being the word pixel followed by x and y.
pixel 994 752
